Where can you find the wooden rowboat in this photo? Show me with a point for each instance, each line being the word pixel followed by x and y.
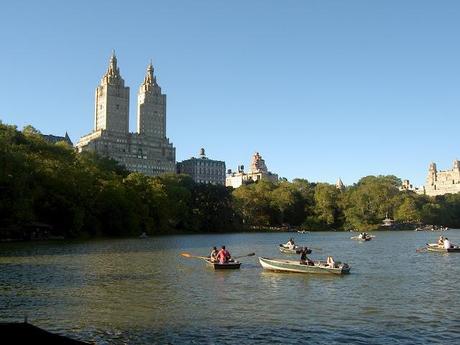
pixel 296 250
pixel 434 247
pixel 280 265
pixel 232 265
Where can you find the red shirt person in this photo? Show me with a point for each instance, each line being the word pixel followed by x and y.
pixel 224 255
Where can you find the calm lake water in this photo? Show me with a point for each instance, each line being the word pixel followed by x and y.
pixel 135 291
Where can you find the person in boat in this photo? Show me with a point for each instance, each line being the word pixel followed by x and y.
pixel 447 244
pixel 290 244
pixel 441 241
pixel 224 255
pixel 304 259
pixel 213 255
pixel 330 261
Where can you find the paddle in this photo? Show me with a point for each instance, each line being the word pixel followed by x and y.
pixel 422 249
pixel 243 256
pixel 188 255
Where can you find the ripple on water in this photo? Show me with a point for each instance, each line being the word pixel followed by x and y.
pixel 144 292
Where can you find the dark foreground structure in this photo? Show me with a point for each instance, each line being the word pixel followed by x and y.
pixel 25 333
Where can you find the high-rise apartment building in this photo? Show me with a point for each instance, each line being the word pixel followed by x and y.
pixel 148 150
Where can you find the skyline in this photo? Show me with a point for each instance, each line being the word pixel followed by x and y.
pixel 321 90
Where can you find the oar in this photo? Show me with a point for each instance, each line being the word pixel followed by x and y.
pixel 243 256
pixel 422 249
pixel 188 255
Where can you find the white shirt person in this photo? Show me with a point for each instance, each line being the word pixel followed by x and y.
pixel 447 244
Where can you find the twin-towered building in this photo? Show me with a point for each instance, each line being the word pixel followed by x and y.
pixel 148 150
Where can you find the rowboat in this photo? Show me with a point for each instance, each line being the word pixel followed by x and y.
pixel 296 250
pixel 358 238
pixel 232 265
pixel 434 247
pixel 281 265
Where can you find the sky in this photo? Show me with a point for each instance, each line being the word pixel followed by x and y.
pixel 322 89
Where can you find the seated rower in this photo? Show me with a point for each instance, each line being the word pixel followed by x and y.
pixel 223 256
pixel 330 261
pixel 447 244
pixel 441 241
pixel 304 260
pixel 213 255
pixel 290 244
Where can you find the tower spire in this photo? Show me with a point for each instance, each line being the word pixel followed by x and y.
pixel 113 72
pixel 149 79
pixel 113 68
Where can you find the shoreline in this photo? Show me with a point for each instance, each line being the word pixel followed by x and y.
pixel 61 239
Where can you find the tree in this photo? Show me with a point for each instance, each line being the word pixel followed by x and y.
pixel 326 204
pixel 408 210
pixel 370 200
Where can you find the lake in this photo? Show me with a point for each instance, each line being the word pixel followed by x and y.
pixel 141 291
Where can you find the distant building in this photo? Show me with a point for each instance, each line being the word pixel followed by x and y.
pixel 442 182
pixel 203 169
pixel 53 139
pixel 407 186
pixel 148 150
pixel 258 171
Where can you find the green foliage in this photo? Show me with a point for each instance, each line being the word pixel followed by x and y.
pixel 326 204
pixel 370 200
pixel 53 187
pixel 50 186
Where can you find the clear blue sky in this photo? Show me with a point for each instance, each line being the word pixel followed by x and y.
pixel 322 89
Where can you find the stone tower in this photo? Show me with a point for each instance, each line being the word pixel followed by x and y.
pixel 151 107
pixel 456 164
pixel 258 164
pixel 112 101
pixel 432 175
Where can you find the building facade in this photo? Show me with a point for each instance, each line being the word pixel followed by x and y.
pixel 442 182
pixel 148 150
pixel 257 171
pixel 203 169
pixel 53 139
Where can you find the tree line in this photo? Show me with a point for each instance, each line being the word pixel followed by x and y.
pixel 51 186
